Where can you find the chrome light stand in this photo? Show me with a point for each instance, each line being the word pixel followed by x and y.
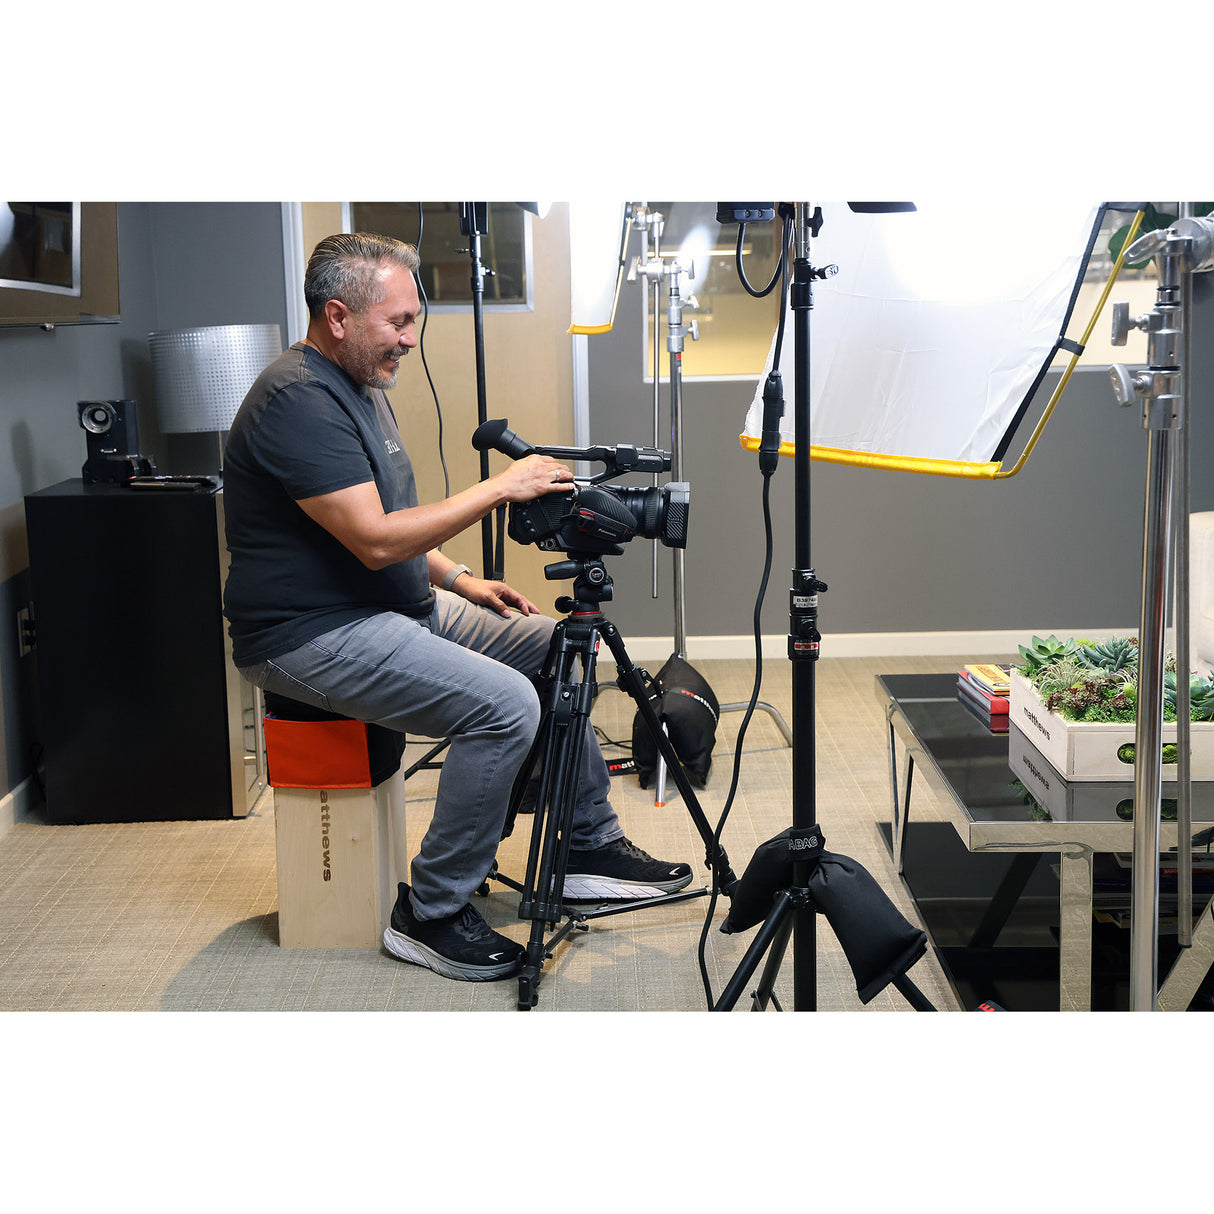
pixel 653 268
pixel 1180 251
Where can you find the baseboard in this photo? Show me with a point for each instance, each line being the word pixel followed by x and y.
pixel 17 805
pixel 865 644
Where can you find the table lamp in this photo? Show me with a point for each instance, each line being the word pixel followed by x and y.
pixel 202 374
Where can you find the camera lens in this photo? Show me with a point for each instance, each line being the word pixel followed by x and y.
pixel 97 419
pixel 660 511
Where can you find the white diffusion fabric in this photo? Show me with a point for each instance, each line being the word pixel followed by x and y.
pixel 939 320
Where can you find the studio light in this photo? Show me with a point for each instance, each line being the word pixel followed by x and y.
pixel 938 326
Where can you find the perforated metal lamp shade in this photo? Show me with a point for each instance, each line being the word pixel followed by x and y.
pixel 202 375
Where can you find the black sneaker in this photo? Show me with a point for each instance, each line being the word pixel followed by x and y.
pixel 620 870
pixel 459 946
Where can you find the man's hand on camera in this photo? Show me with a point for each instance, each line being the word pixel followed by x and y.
pixel 497 596
pixel 534 476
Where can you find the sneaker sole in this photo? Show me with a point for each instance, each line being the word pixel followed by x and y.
pixel 586 887
pixel 406 949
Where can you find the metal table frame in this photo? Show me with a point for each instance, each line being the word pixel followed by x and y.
pixel 1075 841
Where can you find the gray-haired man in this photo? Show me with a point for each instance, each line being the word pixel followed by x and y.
pixel 339 597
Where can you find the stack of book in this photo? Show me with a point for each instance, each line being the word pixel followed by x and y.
pixel 984 689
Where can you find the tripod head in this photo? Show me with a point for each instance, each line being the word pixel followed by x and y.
pixel 592 584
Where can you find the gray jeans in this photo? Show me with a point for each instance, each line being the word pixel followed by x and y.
pixel 462 673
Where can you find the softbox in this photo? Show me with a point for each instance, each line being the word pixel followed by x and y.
pixel 934 335
pixel 879 942
pixel 689 710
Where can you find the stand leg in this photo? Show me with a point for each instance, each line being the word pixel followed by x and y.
pixel 777 925
pixel 764 994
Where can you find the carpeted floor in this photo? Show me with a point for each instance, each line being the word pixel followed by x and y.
pixel 182 916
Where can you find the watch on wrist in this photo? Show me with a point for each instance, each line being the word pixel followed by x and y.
pixel 452 574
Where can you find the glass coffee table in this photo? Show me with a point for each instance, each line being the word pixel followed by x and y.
pixel 1010 811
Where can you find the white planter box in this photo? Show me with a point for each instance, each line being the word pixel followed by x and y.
pixel 1082 751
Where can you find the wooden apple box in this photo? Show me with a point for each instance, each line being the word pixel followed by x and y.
pixel 340 842
pixel 340 854
pixel 1080 750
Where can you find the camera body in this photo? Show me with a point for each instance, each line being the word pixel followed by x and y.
pixel 597 519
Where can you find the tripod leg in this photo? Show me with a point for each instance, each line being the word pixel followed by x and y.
pixel 565 722
pixel 776 926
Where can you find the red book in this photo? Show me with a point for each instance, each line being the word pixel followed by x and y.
pixel 996 706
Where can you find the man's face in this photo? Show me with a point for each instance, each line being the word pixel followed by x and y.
pixel 380 337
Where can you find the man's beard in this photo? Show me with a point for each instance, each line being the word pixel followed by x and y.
pixel 359 357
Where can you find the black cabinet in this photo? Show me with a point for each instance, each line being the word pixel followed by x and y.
pixel 143 718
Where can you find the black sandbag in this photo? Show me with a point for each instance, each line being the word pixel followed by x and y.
pixel 879 942
pixel 769 871
pixel 686 705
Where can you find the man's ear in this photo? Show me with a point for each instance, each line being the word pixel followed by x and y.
pixel 337 317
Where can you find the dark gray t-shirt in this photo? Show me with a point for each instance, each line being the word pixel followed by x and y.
pixel 306 428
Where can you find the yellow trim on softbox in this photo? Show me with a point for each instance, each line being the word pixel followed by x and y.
pixel 889 463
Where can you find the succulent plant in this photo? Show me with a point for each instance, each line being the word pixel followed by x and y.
pixel 1201 699
pixel 1117 653
pixel 1201 696
pixel 1044 652
pixel 1061 674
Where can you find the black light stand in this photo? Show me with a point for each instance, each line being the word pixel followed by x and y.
pixel 793 913
pixel 473 223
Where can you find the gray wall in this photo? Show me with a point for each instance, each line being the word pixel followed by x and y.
pixel 180 265
pixel 1058 545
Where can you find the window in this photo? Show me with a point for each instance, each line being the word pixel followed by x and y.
pixel 734 329
pixel 446 270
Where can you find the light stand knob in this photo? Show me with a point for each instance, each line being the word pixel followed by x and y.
pixel 1121 323
pixel 1125 384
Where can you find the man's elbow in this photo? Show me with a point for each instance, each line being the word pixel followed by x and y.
pixel 376 557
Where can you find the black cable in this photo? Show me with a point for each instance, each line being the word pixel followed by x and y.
pixel 421 349
pixel 775 362
pixel 604 740
pixel 781 268
pixel 737 755
pixel 781 275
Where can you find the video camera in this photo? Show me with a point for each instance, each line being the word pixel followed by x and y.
pixel 595 519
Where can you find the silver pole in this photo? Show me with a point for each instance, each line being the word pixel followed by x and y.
pixel 1144 921
pixel 674 342
pixel 1180 534
pixel 1185 247
pixel 657 378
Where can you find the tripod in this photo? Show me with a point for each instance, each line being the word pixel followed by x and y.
pixel 566 702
